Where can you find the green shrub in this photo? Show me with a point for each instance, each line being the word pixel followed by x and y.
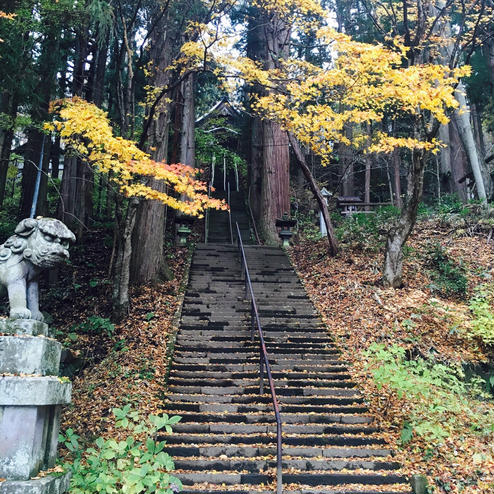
pixel 131 466
pixel 367 228
pixel 97 325
pixel 451 204
pixel 481 305
pixel 448 278
pixel 439 401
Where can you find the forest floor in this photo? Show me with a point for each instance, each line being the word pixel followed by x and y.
pixel 115 365
pixel 431 324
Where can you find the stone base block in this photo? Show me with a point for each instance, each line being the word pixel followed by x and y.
pixel 29 355
pixel 28 440
pixel 23 326
pixel 27 391
pixel 45 485
pixel 29 424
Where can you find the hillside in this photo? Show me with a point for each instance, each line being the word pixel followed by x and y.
pixel 442 419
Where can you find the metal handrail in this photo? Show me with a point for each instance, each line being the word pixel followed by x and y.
pixel 263 358
pixel 229 214
pixel 206 219
pixel 258 240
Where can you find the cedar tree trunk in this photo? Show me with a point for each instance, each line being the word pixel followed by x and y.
pixel 148 262
pixel 270 155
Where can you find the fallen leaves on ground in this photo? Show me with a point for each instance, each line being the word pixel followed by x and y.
pixel 358 311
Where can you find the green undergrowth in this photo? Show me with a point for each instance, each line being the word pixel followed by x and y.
pixel 447 276
pixel 482 308
pixel 129 466
pixel 439 401
pixel 367 230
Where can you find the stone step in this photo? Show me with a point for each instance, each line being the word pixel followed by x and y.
pixel 292 378
pixel 288 418
pixel 228 395
pixel 207 407
pixel 242 352
pixel 221 428
pixel 253 464
pixel 245 341
pixel 276 363
pixel 314 478
pixel 253 382
pixel 209 451
pixel 244 333
pixel 285 392
pixel 293 440
pixel 338 366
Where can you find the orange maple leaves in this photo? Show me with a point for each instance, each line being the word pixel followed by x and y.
pixel 86 130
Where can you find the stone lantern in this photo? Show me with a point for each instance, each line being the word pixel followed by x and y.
pixel 285 224
pixel 184 224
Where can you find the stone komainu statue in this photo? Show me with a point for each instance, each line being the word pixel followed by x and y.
pixel 36 245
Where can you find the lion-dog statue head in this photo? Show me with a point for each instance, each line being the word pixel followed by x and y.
pixel 37 244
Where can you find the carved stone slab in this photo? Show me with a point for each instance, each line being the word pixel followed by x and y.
pixel 23 326
pixel 29 355
pixel 45 485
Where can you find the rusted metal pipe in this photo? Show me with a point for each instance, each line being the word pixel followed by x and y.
pixel 264 365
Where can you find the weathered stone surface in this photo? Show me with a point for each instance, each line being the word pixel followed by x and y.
pixel 28 440
pixel 26 391
pixel 45 485
pixel 23 326
pixel 37 244
pixel 29 355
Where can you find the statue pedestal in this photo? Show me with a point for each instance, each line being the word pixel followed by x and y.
pixel 31 396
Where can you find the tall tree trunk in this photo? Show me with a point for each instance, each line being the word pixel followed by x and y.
pixel 299 155
pixel 270 157
pixel 446 178
pixel 462 119
pixel 477 129
pixel 187 137
pixel 66 205
pixel 55 158
pixel 397 177
pixel 367 183
pixel 255 168
pixel 30 172
pixel 347 171
pixel 275 195
pixel 42 209
pixel 399 233
pixel 98 67
pixel 459 163
pixel 45 89
pixel 121 268
pixel 148 262
pixel 8 105
pixel 77 178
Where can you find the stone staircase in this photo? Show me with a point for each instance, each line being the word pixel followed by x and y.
pixel 219 226
pixel 226 441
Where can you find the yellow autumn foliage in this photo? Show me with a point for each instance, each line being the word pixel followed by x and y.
pixel 86 130
pixel 364 84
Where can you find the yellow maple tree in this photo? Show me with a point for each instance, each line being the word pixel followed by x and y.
pixel 86 130
pixel 365 84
